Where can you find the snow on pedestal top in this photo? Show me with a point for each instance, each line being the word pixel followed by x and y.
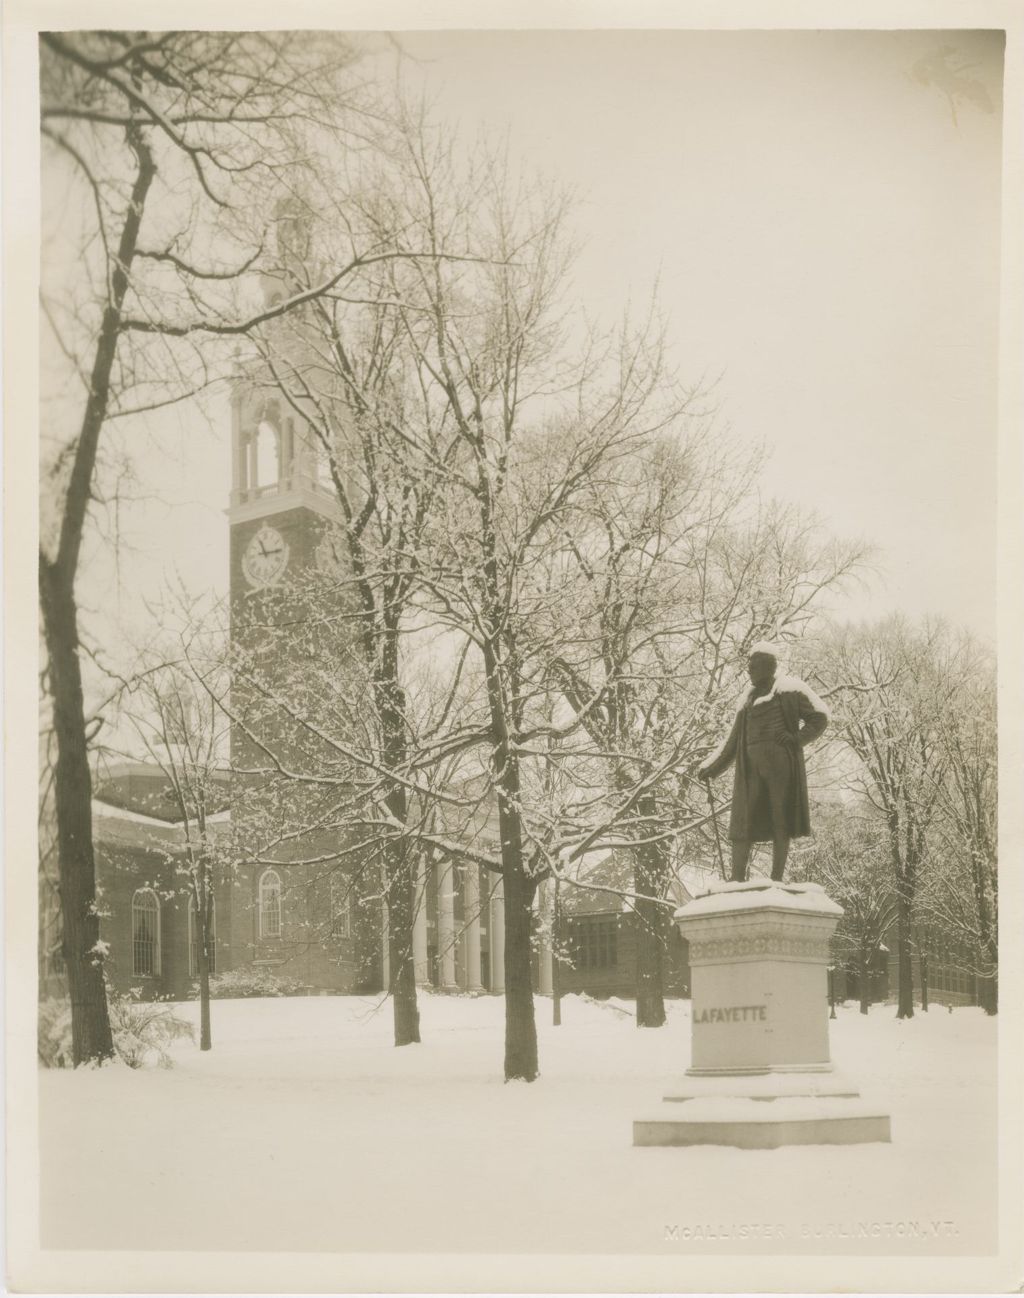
pixel 761 894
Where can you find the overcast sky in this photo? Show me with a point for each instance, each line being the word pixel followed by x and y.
pixel 821 211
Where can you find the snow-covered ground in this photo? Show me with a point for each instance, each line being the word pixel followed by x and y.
pixel 305 1129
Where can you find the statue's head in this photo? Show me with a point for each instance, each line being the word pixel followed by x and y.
pixel 761 666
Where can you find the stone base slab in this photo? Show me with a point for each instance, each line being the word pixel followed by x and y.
pixel 765 1123
pixel 771 1084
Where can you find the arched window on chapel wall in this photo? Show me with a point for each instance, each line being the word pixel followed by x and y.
pixel 270 904
pixel 145 933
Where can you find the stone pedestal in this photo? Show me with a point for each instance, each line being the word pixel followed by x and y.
pixel 760 1073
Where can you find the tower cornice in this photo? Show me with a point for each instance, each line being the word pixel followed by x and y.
pixel 266 502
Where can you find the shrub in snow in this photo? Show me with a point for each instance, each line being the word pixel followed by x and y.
pixel 250 980
pixel 55 1032
pixel 144 1029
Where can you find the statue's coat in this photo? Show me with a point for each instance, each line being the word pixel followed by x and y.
pixel 800 704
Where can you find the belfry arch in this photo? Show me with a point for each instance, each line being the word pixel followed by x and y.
pixel 269 455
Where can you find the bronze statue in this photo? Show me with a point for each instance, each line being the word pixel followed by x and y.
pixel 778 717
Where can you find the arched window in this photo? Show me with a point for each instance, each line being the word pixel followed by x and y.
pixel 268 455
pixel 270 904
pixel 145 933
pixel 193 938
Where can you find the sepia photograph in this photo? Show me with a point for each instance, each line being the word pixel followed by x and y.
pixel 514 769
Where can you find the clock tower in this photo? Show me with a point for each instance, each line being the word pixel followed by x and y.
pixel 280 510
pixel 302 921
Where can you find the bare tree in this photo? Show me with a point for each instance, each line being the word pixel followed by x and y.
pixel 961 898
pixel 167 143
pixel 342 370
pixel 173 707
pixel 522 418
pixel 893 698
pixel 849 857
pixel 677 573
pixel 534 437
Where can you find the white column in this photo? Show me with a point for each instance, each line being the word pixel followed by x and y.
pixel 253 479
pixel 544 974
pixel 237 448
pixel 471 921
pixel 498 938
pixel 242 469
pixel 419 929
pixel 286 454
pixel 446 927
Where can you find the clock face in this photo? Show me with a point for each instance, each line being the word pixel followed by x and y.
pixel 330 556
pixel 265 557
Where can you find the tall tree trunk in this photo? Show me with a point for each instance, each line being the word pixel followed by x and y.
pixel 520 1023
pixel 205 940
pixel 904 946
pixel 503 688
pixel 204 946
pixel 90 1023
pixel 864 979
pixel 922 959
pixel 556 958
pixel 401 910
pixel 205 1037
pixel 989 991
pixel 988 981
pixel 987 923
pixel 521 1063
pixel 91 1039
pixel 398 860
pixel 649 880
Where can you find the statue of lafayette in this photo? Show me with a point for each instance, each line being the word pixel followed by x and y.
pixel 777 718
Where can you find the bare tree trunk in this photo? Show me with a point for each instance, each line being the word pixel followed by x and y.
pixel 205 1037
pixel 987 922
pixel 556 961
pixel 650 935
pixel 90 1023
pixel 521 1061
pixel 988 987
pixel 520 1024
pixel 401 907
pixel 922 959
pixel 398 859
pixel 864 979
pixel 204 943
pixel 904 946
pixel 91 1038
